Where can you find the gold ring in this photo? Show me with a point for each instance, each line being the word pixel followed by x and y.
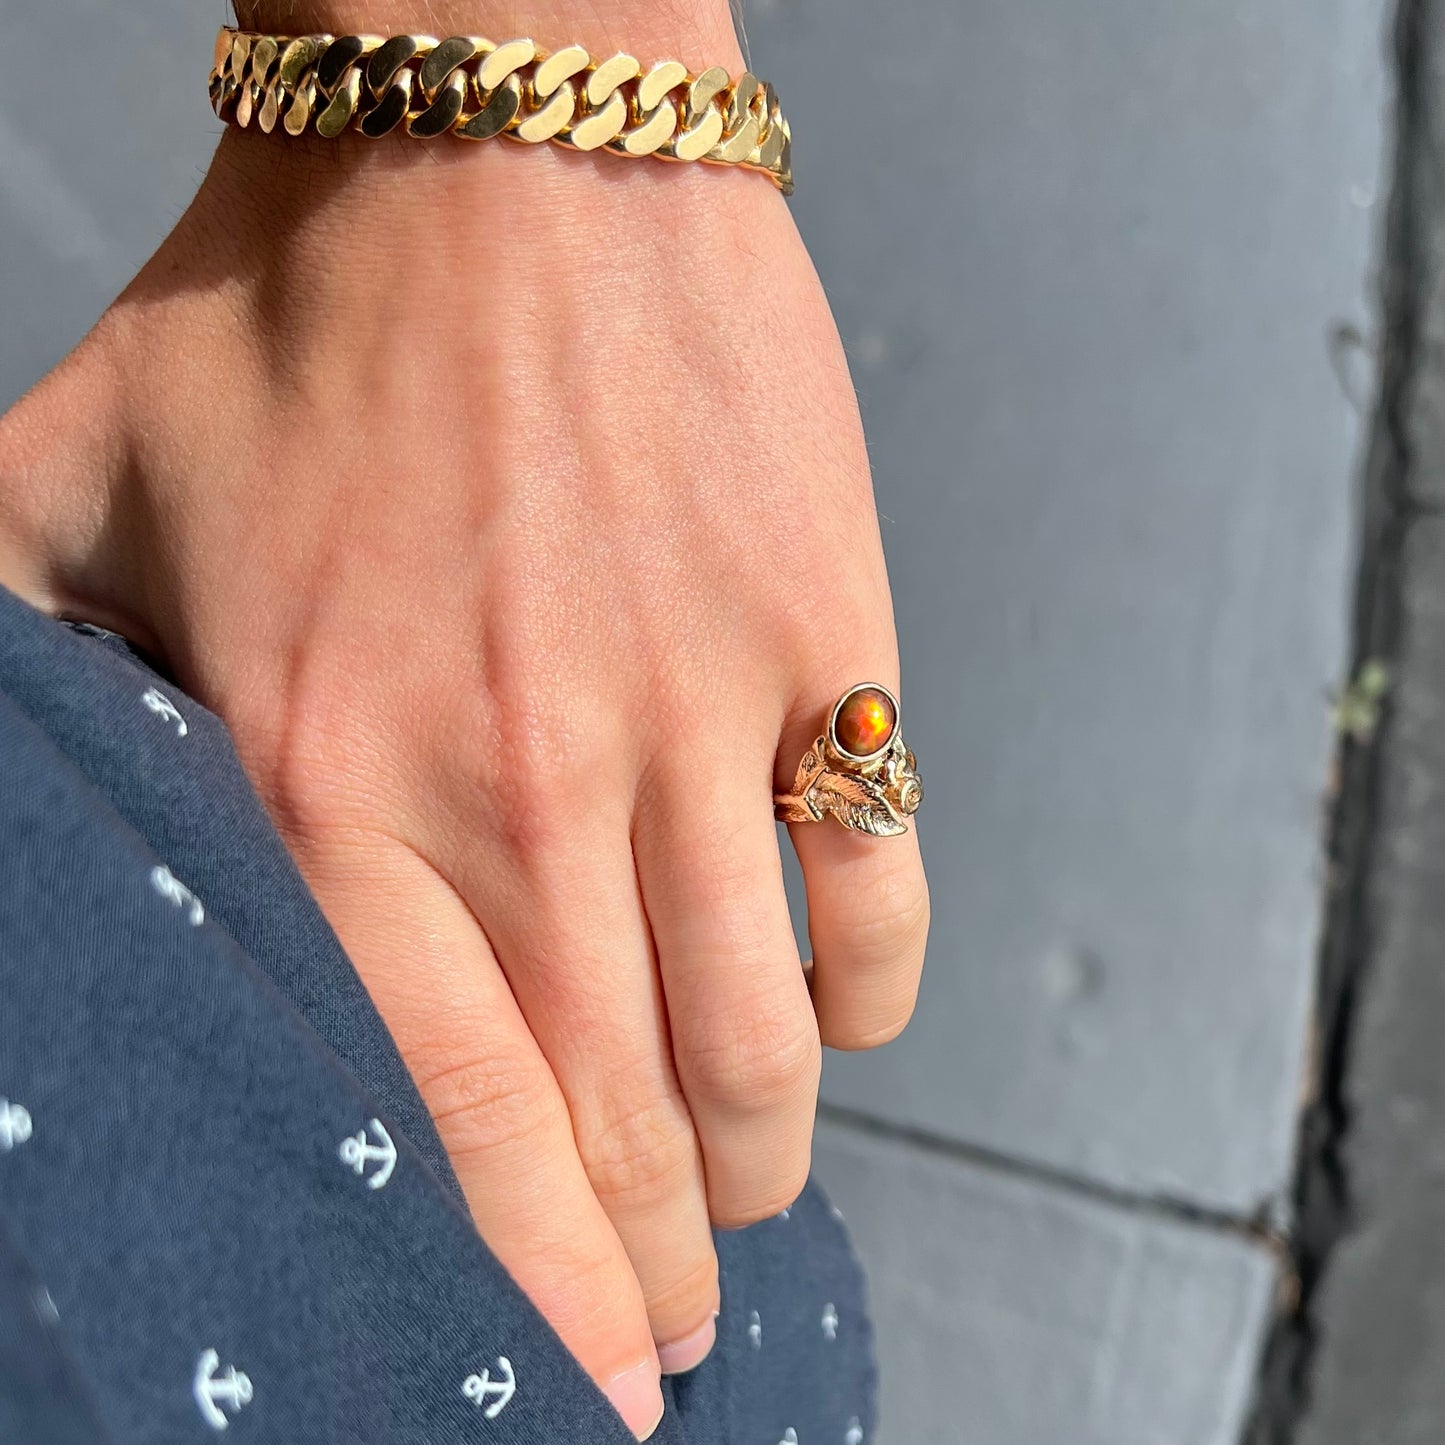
pixel 859 770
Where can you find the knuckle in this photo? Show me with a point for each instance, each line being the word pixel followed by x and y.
pixel 889 919
pixel 312 774
pixel 532 755
pixel 644 1154
pixel 755 1061
pixel 494 1102
pixel 573 1277
pixel 887 938
pixel 688 1295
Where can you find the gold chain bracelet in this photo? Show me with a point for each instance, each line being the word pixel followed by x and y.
pixel 477 89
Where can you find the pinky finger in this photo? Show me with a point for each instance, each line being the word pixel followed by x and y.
pixel 497 1107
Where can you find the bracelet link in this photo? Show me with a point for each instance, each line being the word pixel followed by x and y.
pixel 472 88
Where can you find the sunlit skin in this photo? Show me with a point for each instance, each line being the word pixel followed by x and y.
pixel 451 476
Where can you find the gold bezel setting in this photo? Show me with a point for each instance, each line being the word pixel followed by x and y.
pixel 842 702
pixel 875 794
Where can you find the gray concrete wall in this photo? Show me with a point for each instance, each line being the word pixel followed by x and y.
pixel 1087 261
pixel 1377 1315
pixel 1090 317
pixel 1089 307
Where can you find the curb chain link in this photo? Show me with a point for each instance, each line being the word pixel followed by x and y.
pixel 476 89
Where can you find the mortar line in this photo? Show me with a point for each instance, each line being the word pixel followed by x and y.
pixel 1158 1204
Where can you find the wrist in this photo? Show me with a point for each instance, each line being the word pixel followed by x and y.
pixel 397 195
pixel 61 464
pixel 699 33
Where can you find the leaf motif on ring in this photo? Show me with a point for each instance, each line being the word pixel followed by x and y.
pixel 857 802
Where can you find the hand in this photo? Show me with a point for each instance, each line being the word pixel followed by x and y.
pixel 512 508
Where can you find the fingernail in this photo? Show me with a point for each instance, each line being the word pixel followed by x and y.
pixel 680 1356
pixel 636 1395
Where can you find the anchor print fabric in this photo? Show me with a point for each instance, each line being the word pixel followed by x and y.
pixel 224 1210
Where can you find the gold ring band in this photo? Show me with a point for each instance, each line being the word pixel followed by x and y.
pixel 859 769
pixel 473 88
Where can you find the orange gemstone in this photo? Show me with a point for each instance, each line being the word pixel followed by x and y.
pixel 865 722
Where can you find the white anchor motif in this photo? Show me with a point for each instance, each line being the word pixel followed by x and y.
pixel 477 1387
pixel 755 1329
pixel 855 1433
pixel 163 707
pixel 230 1389
pixel 15 1125
pixel 790 1437
pixel 830 1322
pixel 170 887
pixel 358 1153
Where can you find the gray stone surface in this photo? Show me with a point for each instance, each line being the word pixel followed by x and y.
pixel 1086 260
pixel 1010 1315
pixel 1378 1376
pixel 1379 1316
pixel 88 190
pixel 1088 301
pixel 1421 258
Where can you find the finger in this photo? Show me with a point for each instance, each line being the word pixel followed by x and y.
pixel 868 914
pixel 570 933
pixel 868 924
pixel 743 1031
pixel 497 1107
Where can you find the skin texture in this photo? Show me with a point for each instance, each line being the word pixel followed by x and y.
pixel 512 508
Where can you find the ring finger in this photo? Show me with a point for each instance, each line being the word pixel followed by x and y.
pixel 743 1030
pixel 569 931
